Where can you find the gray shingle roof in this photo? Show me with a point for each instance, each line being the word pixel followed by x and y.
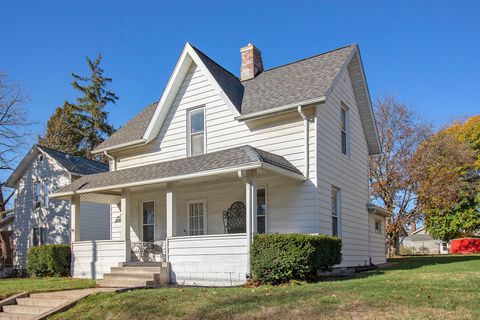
pixel 230 158
pixel 75 164
pixel 132 130
pixel 298 81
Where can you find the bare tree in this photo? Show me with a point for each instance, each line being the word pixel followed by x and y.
pixel 13 121
pixel 391 181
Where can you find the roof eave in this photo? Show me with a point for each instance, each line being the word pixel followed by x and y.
pixel 373 209
pixel 279 110
pixel 129 144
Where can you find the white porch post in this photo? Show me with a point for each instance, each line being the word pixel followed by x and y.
pixel 171 211
pixel 75 218
pixel 251 206
pixel 125 210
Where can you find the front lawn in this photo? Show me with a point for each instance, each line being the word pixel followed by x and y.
pixel 445 287
pixel 12 286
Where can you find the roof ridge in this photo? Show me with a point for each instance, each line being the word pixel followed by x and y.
pixel 219 65
pixel 303 59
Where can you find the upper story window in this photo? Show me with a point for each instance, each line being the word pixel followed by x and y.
pixel 344 128
pixel 41 190
pixel 196 131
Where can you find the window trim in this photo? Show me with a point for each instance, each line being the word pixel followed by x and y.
pixel 154 218
pixel 205 215
pixel 266 208
pixel 42 230
pixel 344 108
pixel 338 199
pixel 189 129
pixel 379 224
pixel 41 203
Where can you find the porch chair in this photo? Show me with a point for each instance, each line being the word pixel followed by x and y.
pixel 234 218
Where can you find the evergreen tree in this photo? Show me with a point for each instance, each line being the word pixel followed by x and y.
pixel 90 107
pixel 64 131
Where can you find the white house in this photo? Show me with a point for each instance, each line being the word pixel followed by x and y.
pixel 281 150
pixel 40 220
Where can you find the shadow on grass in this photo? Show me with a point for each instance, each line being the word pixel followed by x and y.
pixel 414 262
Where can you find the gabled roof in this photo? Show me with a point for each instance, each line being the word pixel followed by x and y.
pixel 224 161
pixel 278 89
pixel 74 165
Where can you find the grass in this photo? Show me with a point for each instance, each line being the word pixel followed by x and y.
pixel 444 287
pixel 12 286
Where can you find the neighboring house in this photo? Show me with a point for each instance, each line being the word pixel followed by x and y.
pixel 220 158
pixel 40 220
pixel 420 242
pixel 6 240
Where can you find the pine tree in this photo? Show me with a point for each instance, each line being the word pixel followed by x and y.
pixel 90 107
pixel 64 131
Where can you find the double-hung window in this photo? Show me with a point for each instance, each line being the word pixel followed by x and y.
pixel 196 218
pixel 344 127
pixel 37 193
pixel 261 210
pixel 336 212
pixel 196 131
pixel 39 236
pixel 45 193
pixel 148 221
pixel 378 226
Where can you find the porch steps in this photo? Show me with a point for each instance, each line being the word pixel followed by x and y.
pixel 137 275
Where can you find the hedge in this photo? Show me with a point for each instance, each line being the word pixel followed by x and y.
pixel 51 260
pixel 278 258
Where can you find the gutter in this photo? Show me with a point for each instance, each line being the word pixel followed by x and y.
pixel 121 145
pixel 112 158
pixel 306 140
pixel 278 110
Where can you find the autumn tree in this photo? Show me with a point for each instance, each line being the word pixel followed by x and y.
pixel 13 122
pixel 391 182
pixel 447 167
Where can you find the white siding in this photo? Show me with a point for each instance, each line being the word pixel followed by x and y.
pixel 91 259
pixel 283 135
pixel 349 173
pixel 209 260
pixel 377 240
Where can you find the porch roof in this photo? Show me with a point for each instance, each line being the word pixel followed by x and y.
pixel 224 161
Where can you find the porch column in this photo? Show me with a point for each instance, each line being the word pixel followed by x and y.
pixel 75 219
pixel 171 210
pixel 251 207
pixel 125 210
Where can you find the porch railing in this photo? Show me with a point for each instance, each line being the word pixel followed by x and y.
pixel 148 251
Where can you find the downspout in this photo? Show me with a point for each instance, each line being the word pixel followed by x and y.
pixel 306 140
pixel 114 167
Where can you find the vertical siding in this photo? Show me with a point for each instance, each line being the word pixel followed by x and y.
pixel 283 135
pixel 349 173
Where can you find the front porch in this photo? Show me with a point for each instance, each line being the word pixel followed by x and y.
pixel 184 222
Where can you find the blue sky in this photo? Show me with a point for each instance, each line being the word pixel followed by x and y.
pixel 423 52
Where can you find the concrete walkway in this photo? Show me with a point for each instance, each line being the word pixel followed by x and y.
pixel 41 305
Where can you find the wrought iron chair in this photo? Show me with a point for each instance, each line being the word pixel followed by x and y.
pixel 234 218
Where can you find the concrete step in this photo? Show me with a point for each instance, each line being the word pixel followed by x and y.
pixel 131 276
pixel 123 283
pixel 32 310
pixel 16 316
pixel 41 302
pixel 144 264
pixel 135 269
pixel 56 295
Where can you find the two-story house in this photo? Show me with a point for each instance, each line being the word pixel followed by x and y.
pixel 39 220
pixel 219 158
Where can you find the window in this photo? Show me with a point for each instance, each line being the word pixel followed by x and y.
pixel 378 226
pixel 261 210
pixel 39 236
pixel 41 190
pixel 148 221
pixel 197 222
pixel 344 128
pixel 336 214
pixel 37 191
pixel 196 131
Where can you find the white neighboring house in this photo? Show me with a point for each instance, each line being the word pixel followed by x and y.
pixel 420 242
pixel 40 220
pixel 282 150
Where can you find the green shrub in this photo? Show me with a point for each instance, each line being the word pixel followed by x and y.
pixel 406 251
pixel 278 258
pixel 51 260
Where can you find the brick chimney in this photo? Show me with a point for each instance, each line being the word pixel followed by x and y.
pixel 252 64
pixel 413 226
